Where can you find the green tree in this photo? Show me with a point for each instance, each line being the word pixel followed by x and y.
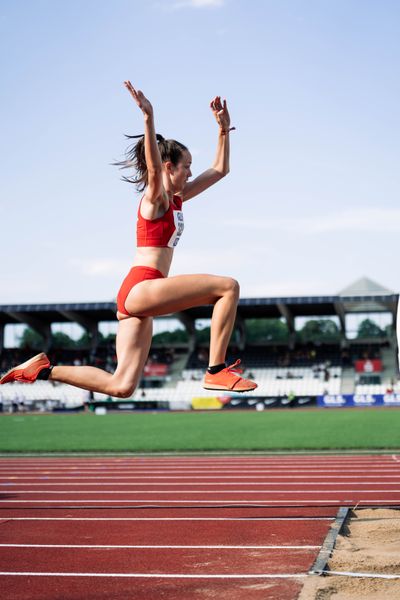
pixel 203 335
pixel 319 330
pixel 62 340
pixel 369 329
pixel 85 341
pixel 31 340
pixel 178 336
pixel 266 330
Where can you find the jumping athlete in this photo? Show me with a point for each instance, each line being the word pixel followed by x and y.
pixel 163 168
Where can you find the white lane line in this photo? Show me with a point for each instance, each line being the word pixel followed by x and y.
pixel 206 472
pixel 10 486
pixel 393 466
pixel 113 478
pixel 211 461
pixel 363 575
pixel 276 459
pixel 212 547
pixel 224 501
pixel 251 519
pixel 155 575
pixel 187 464
pixel 136 464
pixel 213 465
pixel 207 465
pixel 184 492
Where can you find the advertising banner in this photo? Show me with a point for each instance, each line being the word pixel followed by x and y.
pixel 258 403
pixel 206 403
pixel 261 403
pixel 363 400
pixel 368 366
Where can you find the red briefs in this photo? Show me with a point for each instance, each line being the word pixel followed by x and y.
pixel 135 275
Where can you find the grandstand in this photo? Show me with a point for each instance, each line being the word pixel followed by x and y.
pixel 289 367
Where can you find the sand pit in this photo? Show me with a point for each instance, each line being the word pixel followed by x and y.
pixel 369 543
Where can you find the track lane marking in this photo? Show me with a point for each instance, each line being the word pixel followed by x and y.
pixel 183 462
pixel 393 465
pixel 10 485
pixel 155 575
pixel 220 459
pixel 184 492
pixel 221 501
pixel 180 547
pixel 363 575
pixel 252 519
pixel 191 478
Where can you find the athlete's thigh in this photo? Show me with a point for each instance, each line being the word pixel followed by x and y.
pixel 133 343
pixel 162 296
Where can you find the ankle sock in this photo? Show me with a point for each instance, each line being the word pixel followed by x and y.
pixel 216 368
pixel 45 373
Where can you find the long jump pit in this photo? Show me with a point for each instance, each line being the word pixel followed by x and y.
pixel 365 562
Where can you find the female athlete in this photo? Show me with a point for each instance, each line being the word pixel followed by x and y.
pixel 163 169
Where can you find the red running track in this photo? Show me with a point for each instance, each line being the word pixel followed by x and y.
pixel 175 527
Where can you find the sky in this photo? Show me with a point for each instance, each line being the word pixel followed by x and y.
pixel 312 200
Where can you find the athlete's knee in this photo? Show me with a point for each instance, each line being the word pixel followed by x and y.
pixel 122 389
pixel 233 286
pixel 227 286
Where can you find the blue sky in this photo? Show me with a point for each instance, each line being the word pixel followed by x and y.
pixel 311 202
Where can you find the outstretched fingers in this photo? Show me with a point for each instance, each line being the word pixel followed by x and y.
pixel 215 104
pixel 221 113
pixel 140 99
pixel 134 93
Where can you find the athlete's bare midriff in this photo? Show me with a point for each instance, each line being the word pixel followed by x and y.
pixel 157 258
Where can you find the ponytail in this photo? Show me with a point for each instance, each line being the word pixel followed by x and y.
pixel 170 150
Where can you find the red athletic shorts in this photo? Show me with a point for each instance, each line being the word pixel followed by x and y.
pixel 135 275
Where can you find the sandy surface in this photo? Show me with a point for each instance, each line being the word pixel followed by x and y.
pixel 370 543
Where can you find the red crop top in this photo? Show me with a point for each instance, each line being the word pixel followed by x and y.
pixel 163 232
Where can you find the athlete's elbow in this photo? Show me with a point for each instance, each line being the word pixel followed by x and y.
pixel 222 172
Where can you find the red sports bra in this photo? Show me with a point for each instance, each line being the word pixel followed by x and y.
pixel 163 232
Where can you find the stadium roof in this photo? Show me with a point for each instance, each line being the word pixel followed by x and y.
pixel 363 296
pixel 288 307
pixel 365 287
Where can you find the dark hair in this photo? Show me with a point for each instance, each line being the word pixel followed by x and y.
pixel 170 150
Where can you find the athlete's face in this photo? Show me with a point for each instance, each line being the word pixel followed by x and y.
pixel 181 172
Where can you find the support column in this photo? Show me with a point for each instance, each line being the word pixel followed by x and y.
pixel 342 319
pixel 240 330
pixel 2 328
pixel 287 314
pixel 396 324
pixel 41 327
pixel 91 326
pixel 190 326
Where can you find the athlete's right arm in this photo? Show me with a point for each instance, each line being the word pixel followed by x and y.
pixel 154 187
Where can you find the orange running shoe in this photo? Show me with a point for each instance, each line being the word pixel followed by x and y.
pixel 28 371
pixel 229 380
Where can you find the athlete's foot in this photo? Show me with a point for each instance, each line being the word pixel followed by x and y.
pixel 228 380
pixel 28 371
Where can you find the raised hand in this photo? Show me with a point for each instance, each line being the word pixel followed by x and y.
pixel 140 99
pixel 221 114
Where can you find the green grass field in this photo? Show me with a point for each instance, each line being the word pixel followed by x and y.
pixel 370 429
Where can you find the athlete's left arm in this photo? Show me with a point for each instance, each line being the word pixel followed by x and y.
pixel 220 167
